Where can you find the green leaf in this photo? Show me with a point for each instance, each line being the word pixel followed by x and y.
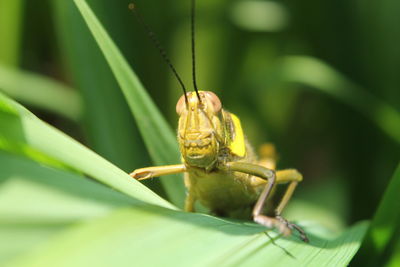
pixel 384 230
pixel 66 199
pixel 23 126
pixel 108 125
pixel 157 134
pixel 20 148
pixel 394 261
pixel 153 236
pixel 41 92
pixel 18 239
pixel 37 202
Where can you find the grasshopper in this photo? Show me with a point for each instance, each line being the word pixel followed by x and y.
pixel 221 169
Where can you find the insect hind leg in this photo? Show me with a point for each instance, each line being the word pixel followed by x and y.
pixel 268 159
pixel 293 177
pixel 270 180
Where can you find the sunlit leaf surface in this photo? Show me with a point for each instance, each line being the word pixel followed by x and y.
pixel 21 126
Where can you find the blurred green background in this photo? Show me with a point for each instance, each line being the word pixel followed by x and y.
pixel 319 79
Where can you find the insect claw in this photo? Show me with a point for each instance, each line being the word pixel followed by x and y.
pixel 303 235
pixel 141 175
pixel 133 175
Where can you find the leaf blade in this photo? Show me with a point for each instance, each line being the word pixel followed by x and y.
pixel 157 134
pixel 108 125
pixel 382 234
pixel 53 143
pixel 228 243
pixel 41 92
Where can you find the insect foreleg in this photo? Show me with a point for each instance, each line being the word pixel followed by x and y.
pixel 150 172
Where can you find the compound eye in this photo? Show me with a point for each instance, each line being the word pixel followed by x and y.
pixel 216 103
pixel 181 105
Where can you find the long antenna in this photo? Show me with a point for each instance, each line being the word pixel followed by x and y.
pixel 158 45
pixel 193 19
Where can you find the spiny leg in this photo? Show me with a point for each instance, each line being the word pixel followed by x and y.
pixel 268 158
pixel 265 220
pixel 266 174
pixel 293 177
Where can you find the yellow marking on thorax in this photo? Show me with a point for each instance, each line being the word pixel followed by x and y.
pixel 237 146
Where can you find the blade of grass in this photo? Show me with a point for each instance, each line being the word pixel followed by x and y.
pixel 320 76
pixel 152 236
pixel 109 127
pixel 25 150
pixel 384 231
pixel 394 261
pixel 41 92
pixel 10 31
pixel 18 239
pixel 37 202
pixel 55 196
pixel 28 129
pixel 157 134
